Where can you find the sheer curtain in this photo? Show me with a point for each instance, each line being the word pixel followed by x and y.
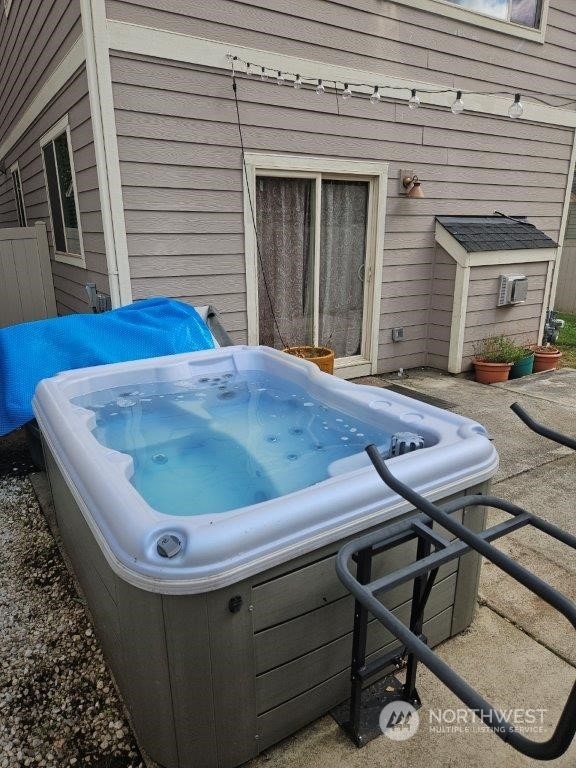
pixel 285 228
pixel 342 259
pixel 286 268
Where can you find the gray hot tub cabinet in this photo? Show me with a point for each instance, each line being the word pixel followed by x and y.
pixel 213 679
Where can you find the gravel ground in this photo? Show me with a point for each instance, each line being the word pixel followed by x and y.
pixel 58 706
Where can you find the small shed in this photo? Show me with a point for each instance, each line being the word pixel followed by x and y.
pixel 492 275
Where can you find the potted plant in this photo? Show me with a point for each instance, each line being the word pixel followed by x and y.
pixel 523 363
pixel 493 358
pixel 323 357
pixel 546 358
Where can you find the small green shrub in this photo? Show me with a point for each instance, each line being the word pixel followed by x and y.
pixel 498 349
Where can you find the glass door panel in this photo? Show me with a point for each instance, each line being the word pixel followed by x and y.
pixel 344 219
pixel 285 231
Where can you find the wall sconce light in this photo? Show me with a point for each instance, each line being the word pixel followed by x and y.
pixel 410 184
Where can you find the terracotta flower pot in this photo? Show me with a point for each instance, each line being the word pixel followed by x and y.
pixel 323 357
pixel 546 359
pixel 491 373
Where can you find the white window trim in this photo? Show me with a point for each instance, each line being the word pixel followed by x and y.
pixel 7 5
pixel 15 168
pixel 444 8
pixel 258 163
pixel 63 126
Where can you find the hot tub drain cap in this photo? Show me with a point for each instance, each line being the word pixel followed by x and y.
pixel 168 545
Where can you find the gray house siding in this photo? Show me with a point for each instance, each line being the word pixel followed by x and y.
pixel 8 213
pixel 182 183
pixel 69 280
pixel 484 319
pixel 34 38
pixel 394 39
pixel 441 302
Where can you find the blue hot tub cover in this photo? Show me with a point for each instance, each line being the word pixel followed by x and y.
pixel 30 352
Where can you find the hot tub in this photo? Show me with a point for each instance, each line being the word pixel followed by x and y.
pixel 201 499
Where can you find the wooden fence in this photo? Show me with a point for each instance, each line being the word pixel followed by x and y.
pixel 26 287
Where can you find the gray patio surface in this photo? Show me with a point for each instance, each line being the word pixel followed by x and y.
pixel 518 652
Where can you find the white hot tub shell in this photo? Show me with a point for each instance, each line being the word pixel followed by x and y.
pixel 244 635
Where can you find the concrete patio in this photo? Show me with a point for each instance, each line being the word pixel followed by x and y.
pixel 518 652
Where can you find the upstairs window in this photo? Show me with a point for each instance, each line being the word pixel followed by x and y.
pixel 525 12
pixel 17 185
pixel 520 18
pixel 62 196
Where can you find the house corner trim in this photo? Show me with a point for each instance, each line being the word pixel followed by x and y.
pixel 106 149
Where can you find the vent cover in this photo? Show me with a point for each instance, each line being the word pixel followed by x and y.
pixel 513 289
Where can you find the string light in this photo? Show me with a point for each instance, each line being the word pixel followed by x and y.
pixel 516 109
pixel 375 98
pixel 457 105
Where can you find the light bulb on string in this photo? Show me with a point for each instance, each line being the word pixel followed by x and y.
pixel 516 109
pixel 320 90
pixel 249 70
pixel 346 93
pixel 458 105
pixel 280 79
pixel 375 98
pixel 263 75
pixel 298 82
pixel 413 101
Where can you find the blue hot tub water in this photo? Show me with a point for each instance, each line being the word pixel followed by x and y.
pixel 210 444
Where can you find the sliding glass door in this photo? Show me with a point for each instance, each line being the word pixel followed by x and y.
pixel 314 254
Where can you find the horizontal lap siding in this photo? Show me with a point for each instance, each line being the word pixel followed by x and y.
pixel 378 36
pixel 34 39
pixel 484 318
pixel 8 212
pixel 441 302
pixel 69 280
pixel 180 166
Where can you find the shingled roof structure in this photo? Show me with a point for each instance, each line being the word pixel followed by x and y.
pixel 494 233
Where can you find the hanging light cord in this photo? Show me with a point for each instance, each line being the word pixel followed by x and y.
pixel 252 213
pixel 312 82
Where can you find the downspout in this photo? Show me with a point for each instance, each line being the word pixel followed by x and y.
pixel 106 150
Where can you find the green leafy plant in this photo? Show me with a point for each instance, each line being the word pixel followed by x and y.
pixel 498 349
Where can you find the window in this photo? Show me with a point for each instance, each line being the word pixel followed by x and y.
pixel 526 12
pixel 521 18
pixel 17 184
pixel 314 256
pixel 62 196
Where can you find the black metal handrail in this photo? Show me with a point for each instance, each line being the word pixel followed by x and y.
pixel 541 429
pixel 427 564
